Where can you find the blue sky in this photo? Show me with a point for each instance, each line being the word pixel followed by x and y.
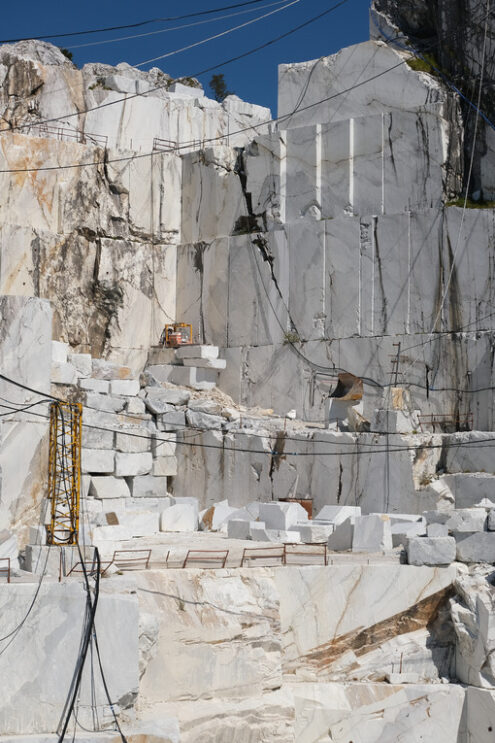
pixel 253 78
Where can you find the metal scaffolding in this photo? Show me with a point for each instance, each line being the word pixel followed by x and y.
pixel 64 472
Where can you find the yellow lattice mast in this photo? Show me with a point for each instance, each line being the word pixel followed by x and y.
pixel 64 472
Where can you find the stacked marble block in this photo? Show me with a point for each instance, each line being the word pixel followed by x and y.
pixel 195 366
pixel 125 468
pixel 463 534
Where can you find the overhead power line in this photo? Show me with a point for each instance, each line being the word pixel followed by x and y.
pixel 138 24
pixel 218 35
pixel 176 28
pixel 358 446
pixel 163 86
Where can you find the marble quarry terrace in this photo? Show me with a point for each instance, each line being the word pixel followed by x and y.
pixel 286 529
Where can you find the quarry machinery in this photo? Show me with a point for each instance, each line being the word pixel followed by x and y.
pixel 64 472
pixel 176 334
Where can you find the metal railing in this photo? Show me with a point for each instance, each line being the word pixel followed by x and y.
pixel 250 554
pixel 304 554
pixel 206 556
pixel 131 559
pixel 62 133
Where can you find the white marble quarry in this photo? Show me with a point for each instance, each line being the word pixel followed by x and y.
pixel 379 164
pixel 25 357
pixel 321 628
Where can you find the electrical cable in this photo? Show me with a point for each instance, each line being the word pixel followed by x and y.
pixel 217 36
pixel 130 25
pixel 176 28
pixel 275 453
pixel 156 439
pixel 127 98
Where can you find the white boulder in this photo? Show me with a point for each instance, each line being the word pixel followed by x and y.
pixel 180 517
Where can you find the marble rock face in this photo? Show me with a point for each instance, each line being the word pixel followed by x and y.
pixel 377 713
pixel 43 670
pixel 472 615
pixel 25 357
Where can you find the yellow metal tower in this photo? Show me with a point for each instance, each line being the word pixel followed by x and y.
pixel 64 472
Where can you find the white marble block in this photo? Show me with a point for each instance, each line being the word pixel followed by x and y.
pixel 98 461
pixel 338 514
pixel 59 352
pixel 130 465
pixel 238 528
pixel 282 515
pixel 108 487
pixel 372 533
pixel 475 547
pixel 468 519
pixel 147 486
pixel 217 364
pixel 62 373
pixel 437 530
pixel 342 537
pixel 431 550
pixel 101 386
pixel 197 352
pixel 133 440
pixel 82 364
pixel 312 532
pixel 128 387
pixel 165 466
pixel 181 517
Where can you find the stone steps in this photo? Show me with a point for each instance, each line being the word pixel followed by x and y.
pixel 196 366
